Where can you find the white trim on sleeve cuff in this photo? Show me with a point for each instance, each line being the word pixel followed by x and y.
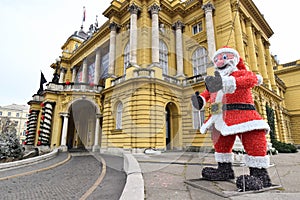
pixel 229 84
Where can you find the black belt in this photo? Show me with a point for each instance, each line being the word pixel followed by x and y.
pixel 238 107
pixel 218 107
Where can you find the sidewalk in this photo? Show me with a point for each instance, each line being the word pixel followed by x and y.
pixel 165 175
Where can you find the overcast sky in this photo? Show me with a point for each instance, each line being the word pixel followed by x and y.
pixel 33 32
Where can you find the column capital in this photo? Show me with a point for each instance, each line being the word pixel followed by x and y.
pixel 209 7
pixel 63 69
pixel 64 114
pixel 98 50
pixel 75 68
pixel 113 26
pixel 235 6
pixel 154 9
pixel 249 21
pixel 134 9
pixel 178 25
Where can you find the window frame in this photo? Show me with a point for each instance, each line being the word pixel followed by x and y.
pixel 119 113
pixel 197 28
pixel 200 61
pixel 198 122
pixel 126 57
pixel 163 56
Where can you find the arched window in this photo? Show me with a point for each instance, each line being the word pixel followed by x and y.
pixel 163 56
pixel 119 115
pixel 199 59
pixel 126 57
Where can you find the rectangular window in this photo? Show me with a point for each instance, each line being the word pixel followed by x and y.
pixel 9 114
pixel 0 113
pixel 198 118
pixel 197 28
pixel 17 114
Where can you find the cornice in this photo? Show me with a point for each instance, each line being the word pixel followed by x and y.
pixel 287 70
pixel 257 17
pixel 100 34
pixel 267 92
pixel 181 9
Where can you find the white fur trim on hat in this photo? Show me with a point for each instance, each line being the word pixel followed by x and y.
pixel 224 157
pixel 227 50
pixel 257 161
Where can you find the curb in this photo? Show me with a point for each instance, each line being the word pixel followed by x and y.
pixel 134 187
pixel 29 161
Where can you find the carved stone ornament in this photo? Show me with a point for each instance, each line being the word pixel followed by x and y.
pixel 154 9
pixel 178 25
pixel 113 26
pixel 134 9
pixel 208 7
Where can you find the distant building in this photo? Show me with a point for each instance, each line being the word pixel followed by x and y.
pixel 289 76
pixel 18 114
pixel 127 84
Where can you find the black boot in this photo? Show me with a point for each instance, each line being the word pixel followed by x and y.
pixel 248 183
pixel 262 174
pixel 257 180
pixel 224 172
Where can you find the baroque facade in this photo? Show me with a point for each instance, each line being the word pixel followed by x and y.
pixel 288 75
pixel 127 84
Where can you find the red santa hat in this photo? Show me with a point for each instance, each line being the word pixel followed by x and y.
pixel 241 65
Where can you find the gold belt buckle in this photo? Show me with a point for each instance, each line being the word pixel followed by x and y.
pixel 216 108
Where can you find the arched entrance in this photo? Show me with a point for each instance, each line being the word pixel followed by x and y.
pixel 172 126
pixel 81 125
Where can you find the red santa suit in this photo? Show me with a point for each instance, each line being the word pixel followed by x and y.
pixel 234 114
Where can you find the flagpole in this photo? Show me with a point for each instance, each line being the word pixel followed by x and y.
pixel 83 17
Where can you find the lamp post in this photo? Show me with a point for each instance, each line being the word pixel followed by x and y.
pixel 56 75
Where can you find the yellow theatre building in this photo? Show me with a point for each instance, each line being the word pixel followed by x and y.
pixel 127 84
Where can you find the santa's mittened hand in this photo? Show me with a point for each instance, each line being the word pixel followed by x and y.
pixel 197 101
pixel 214 83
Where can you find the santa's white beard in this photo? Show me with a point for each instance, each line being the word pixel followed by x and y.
pixel 231 67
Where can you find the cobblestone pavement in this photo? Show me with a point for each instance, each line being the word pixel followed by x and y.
pixel 68 181
pixel 61 157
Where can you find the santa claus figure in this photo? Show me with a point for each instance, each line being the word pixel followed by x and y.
pixel 233 114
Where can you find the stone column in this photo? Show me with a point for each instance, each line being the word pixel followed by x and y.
pixel 97 66
pixel 154 9
pixel 238 31
pixel 270 70
pixel 112 48
pixel 210 33
pixel 179 47
pixel 74 72
pixel 262 60
pixel 63 143
pixel 251 45
pixel 62 75
pixel 96 146
pixel 84 71
pixel 133 9
pixel 283 129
